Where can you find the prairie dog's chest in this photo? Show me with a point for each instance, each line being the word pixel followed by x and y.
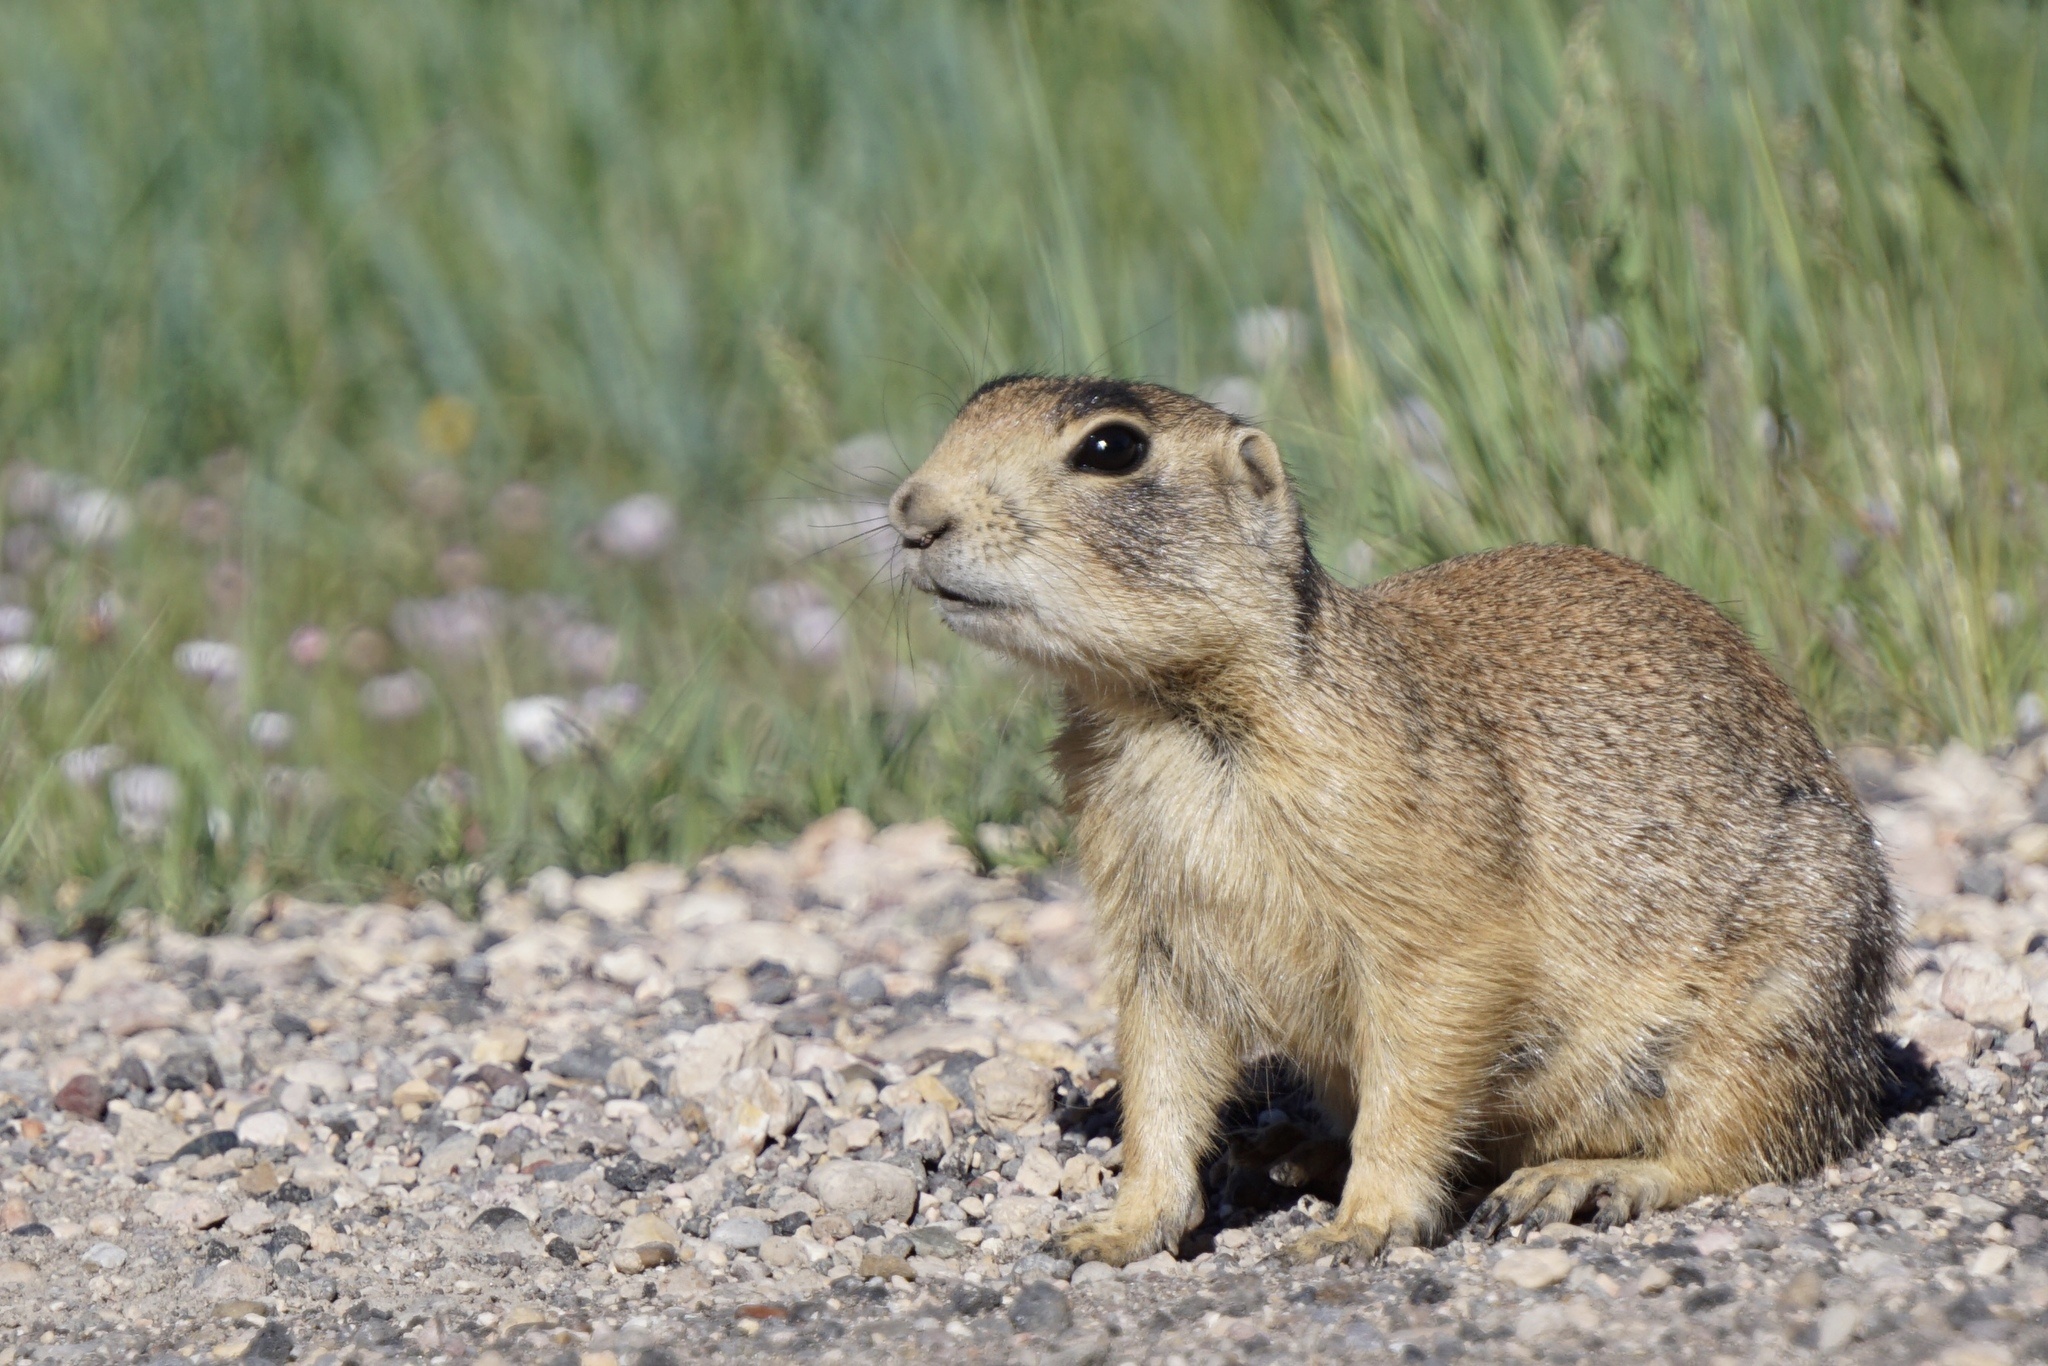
pixel 1167 819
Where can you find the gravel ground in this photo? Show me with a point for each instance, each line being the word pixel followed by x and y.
pixel 828 1101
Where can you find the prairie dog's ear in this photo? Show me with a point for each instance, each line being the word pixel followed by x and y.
pixel 1251 461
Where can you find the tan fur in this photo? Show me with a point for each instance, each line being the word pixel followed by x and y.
pixel 1526 859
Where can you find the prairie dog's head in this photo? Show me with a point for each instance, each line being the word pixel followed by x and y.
pixel 1094 526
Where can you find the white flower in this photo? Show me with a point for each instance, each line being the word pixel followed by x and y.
pixel 209 661
pixel 85 768
pixel 546 729
pixel 393 698
pixel 813 528
pixel 145 798
pixel 810 627
pixel 456 627
pixel 33 491
pixel 1418 431
pixel 866 464
pixel 93 517
pixel 585 651
pixel 817 635
pixel 637 528
pixel 25 549
pixel 271 731
pixel 1269 337
pixel 22 665
pixel 613 702
pixel 1235 395
pixel 16 623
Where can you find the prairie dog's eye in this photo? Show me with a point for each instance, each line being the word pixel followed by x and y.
pixel 1115 448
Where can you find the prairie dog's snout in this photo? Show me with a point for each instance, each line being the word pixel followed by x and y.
pixel 1527 854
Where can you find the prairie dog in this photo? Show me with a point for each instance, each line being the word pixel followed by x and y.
pixel 1526 859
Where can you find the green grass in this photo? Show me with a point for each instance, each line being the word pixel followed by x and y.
pixel 1749 291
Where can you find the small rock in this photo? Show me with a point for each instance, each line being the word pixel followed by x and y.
pixel 233 1282
pixel 1984 989
pixel 586 1062
pixel 448 1156
pixel 267 1129
pixel 273 1342
pixel 20 1276
pixel 751 1107
pixel 1044 1264
pixel 210 1144
pixel 617 899
pixel 195 1212
pixel 633 1174
pixel 1993 1260
pixel 2029 843
pixel 414 1091
pixel 1081 1174
pixel 1654 1281
pixel 259 1180
pixel 933 1241
pixel 1039 1173
pixel 852 1136
pixel 883 1265
pixel 647 1241
pixel 1982 877
pixel 1093 1273
pixel 107 1256
pixel 25 985
pixel 1011 1092
pixel 503 1046
pixel 1043 1308
pixel 1837 1324
pixel 1533 1268
pixel 865 1192
pixel 1022 1216
pixel 575 1226
pixel 742 1232
pixel 1803 1292
pixel 706 1057
pixel 85 1096
pixel 146 1137
pixel 251 1219
pixel 782 1252
pixel 1940 1037
pixel 629 1079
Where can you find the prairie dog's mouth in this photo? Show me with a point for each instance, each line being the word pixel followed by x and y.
pixel 952 598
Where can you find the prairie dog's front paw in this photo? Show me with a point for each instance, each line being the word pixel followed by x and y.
pixel 1353 1242
pixel 1116 1241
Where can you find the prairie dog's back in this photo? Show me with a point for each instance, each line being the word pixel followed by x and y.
pixel 1644 745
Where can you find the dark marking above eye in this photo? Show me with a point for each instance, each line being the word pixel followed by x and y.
pixel 1113 448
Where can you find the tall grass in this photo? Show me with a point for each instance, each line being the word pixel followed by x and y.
pixel 1751 292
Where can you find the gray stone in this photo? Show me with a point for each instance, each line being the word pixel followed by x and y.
pixel 865 1192
pixel 105 1256
pixel 1043 1308
pixel 742 1232
pixel 1011 1092
pixel 582 1230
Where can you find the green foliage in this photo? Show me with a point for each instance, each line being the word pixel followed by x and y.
pixel 1750 292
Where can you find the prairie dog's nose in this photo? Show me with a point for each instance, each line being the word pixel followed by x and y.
pixel 917 516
